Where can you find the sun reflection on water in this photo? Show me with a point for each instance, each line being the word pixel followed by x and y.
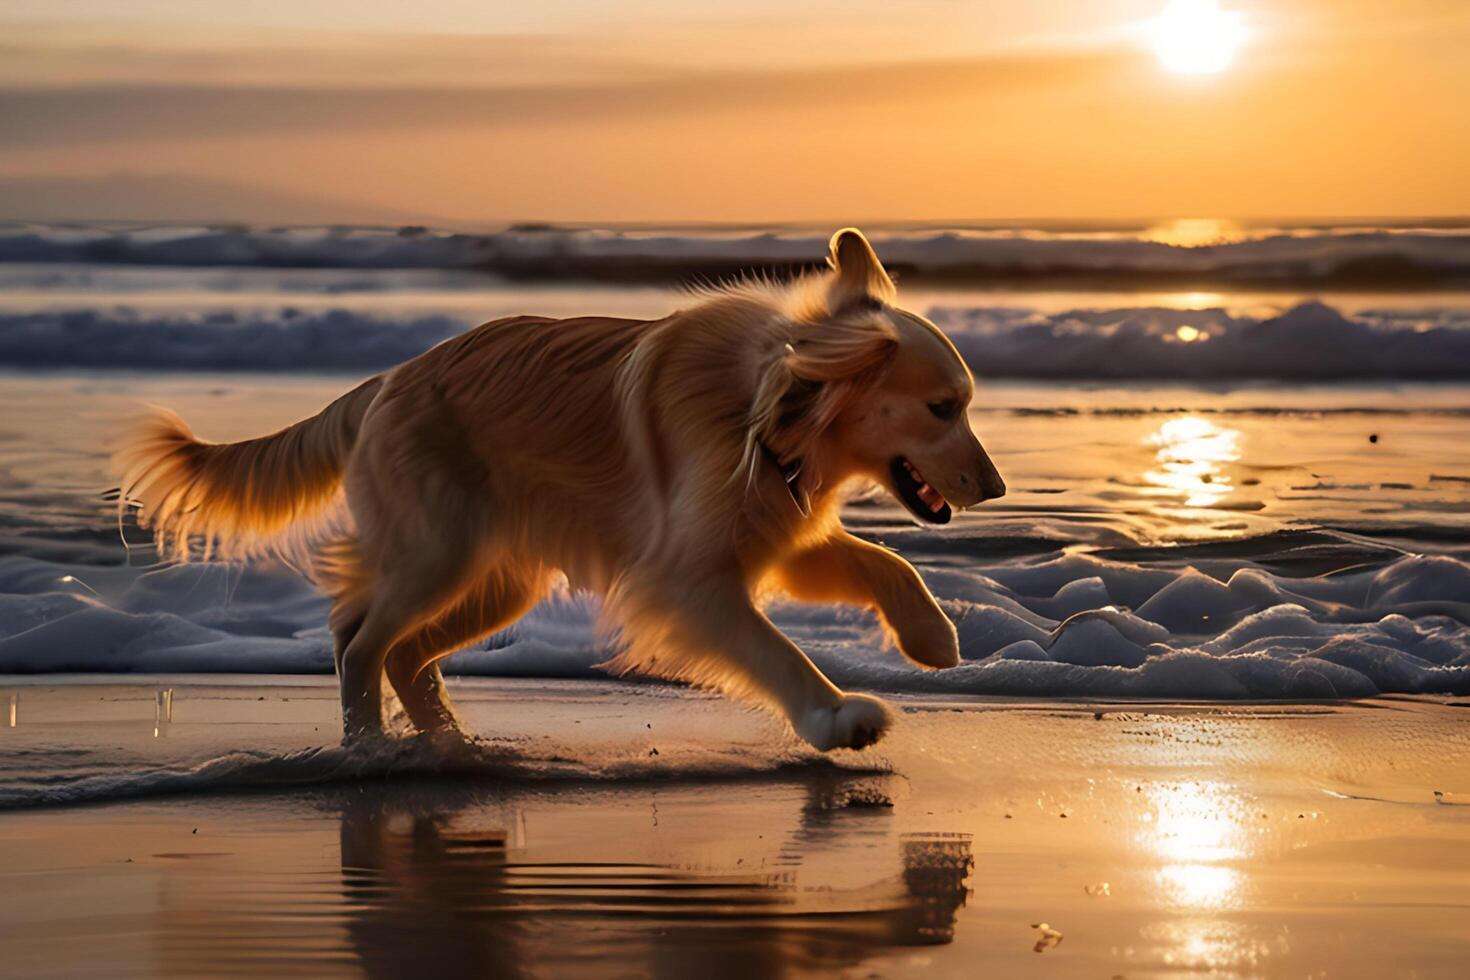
pixel 1195 822
pixel 1191 453
pixel 1197 831
pixel 1200 886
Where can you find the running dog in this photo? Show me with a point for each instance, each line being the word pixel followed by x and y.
pixel 683 468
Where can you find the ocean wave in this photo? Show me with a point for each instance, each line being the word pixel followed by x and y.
pixel 1076 625
pixel 280 340
pixel 1352 256
pixel 1312 341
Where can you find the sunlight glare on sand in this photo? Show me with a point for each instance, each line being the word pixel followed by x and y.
pixel 1192 822
pixel 1205 886
pixel 1193 829
pixel 1213 945
pixel 1191 453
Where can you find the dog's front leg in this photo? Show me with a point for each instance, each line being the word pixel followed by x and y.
pixel 849 569
pixel 714 635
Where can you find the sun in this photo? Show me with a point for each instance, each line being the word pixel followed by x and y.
pixel 1196 37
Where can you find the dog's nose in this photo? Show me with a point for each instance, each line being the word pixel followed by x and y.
pixel 991 485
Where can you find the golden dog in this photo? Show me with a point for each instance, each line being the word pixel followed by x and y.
pixel 680 467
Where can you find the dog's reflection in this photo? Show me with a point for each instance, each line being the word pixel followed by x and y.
pixel 434 887
pixel 423 901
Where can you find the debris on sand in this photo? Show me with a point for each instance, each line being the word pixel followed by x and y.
pixel 867 797
pixel 1046 937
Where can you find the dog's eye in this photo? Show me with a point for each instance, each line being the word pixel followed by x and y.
pixel 945 410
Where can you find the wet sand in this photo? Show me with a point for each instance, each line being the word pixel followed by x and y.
pixel 633 830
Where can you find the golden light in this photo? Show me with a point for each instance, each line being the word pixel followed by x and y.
pixel 1192 454
pixel 1200 886
pixel 1189 334
pixel 1196 828
pixel 1192 232
pixel 1201 834
pixel 1195 823
pixel 1196 37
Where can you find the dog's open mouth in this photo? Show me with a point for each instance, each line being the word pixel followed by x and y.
pixel 922 500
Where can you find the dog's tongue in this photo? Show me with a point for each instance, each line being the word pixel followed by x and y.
pixel 930 496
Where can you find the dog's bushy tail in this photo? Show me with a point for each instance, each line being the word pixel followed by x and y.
pixel 237 499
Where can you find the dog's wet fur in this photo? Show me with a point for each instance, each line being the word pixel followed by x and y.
pixel 683 468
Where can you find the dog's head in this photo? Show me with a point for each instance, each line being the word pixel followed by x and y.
pixel 877 391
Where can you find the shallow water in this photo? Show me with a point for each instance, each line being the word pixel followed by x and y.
pixel 614 830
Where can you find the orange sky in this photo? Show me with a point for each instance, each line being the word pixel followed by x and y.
pixel 652 111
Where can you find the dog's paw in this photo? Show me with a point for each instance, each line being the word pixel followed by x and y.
pixel 855 722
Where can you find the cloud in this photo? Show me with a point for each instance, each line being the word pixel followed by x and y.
pixel 178 197
pixel 97 113
pixel 42 56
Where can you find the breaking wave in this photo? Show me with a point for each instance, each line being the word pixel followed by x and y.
pixel 283 340
pixel 1311 341
pixel 1298 256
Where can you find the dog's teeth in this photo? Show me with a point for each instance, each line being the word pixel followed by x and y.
pixel 932 498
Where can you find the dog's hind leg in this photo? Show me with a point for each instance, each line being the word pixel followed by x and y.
pixel 412 586
pixel 340 572
pixel 418 500
pixel 490 605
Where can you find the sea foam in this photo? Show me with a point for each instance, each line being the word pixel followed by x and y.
pixel 1074 625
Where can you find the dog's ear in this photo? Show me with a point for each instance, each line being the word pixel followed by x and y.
pixel 808 384
pixel 860 276
pixel 838 352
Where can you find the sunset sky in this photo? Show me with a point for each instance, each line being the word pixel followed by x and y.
pixel 461 112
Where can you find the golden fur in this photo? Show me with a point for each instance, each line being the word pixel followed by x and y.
pixel 679 467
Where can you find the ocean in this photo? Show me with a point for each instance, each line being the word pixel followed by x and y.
pixel 1239 455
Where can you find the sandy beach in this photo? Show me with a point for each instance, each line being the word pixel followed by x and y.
pixel 616 830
